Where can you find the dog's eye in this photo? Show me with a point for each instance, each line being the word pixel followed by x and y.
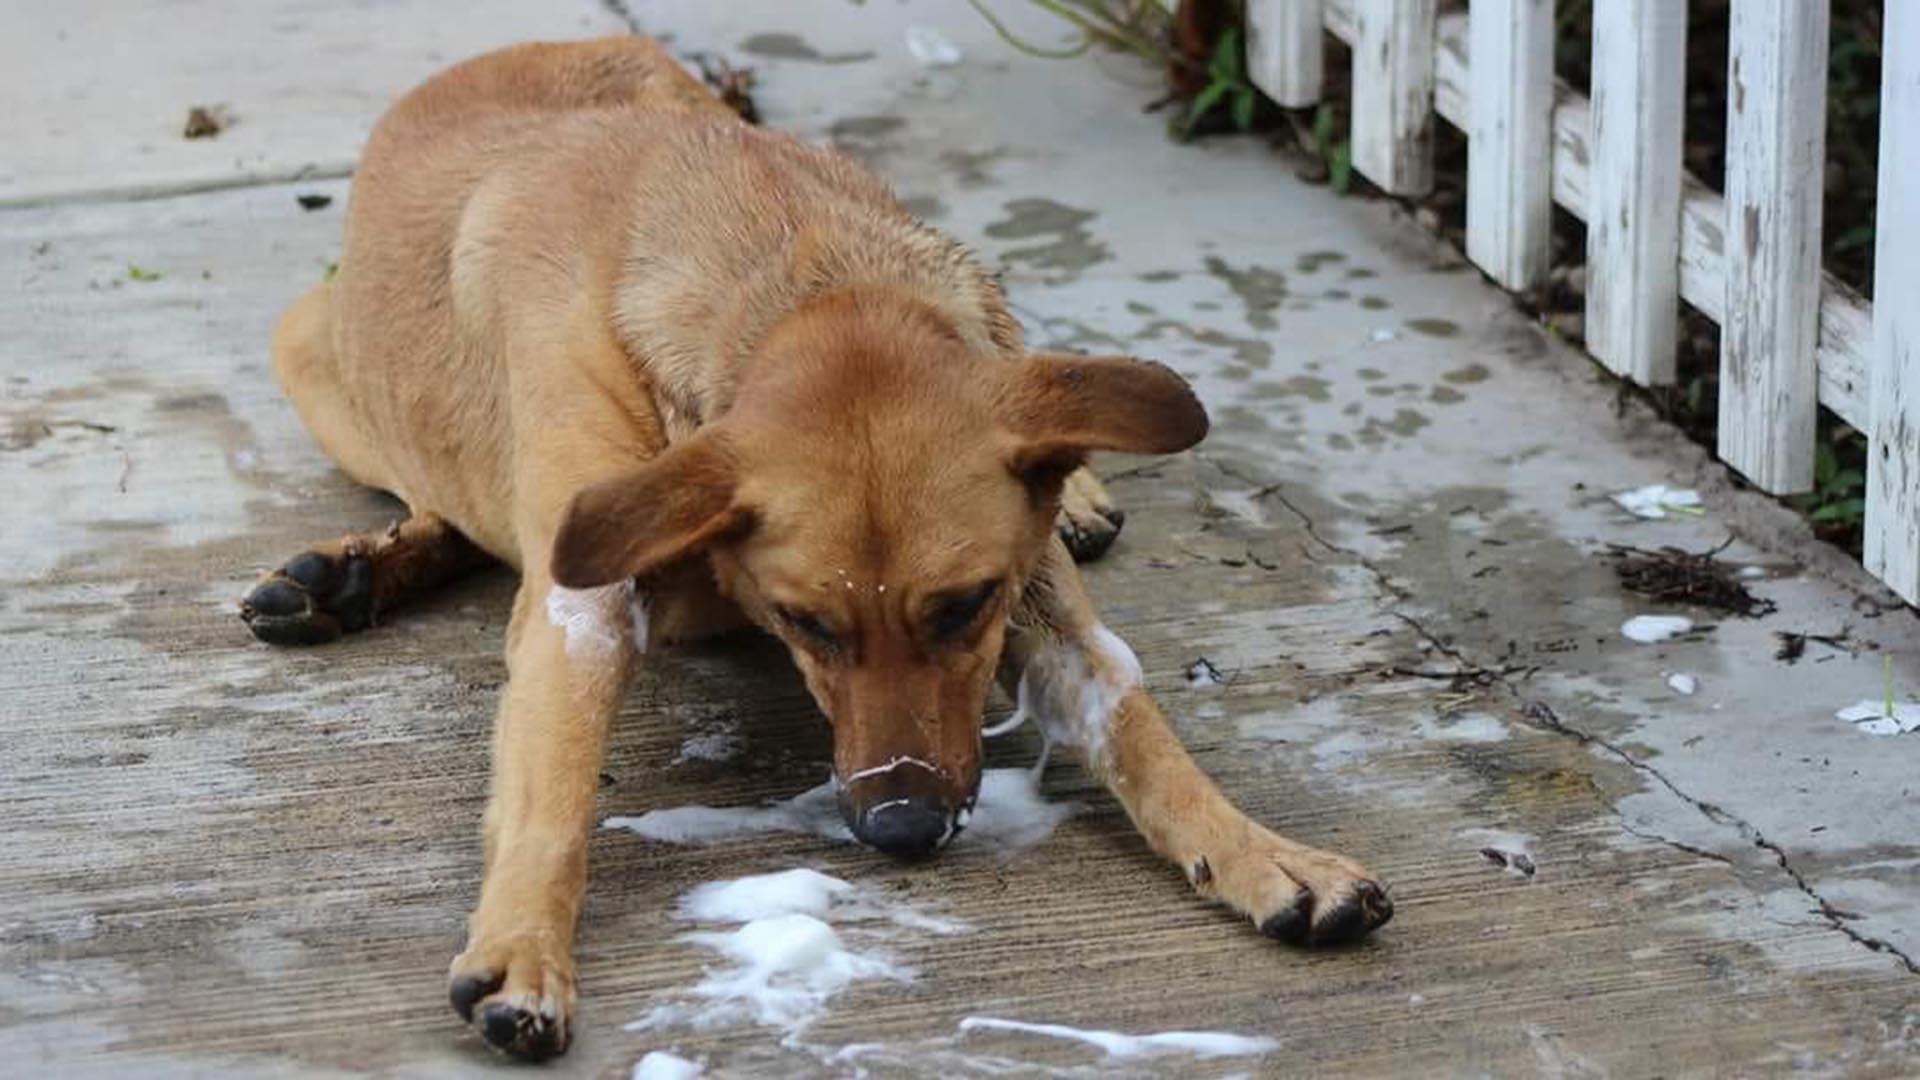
pixel 955 612
pixel 809 627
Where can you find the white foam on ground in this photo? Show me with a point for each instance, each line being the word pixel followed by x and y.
pixel 1206 1044
pixel 812 811
pixel 1651 629
pixel 719 742
pixel 798 939
pixel 1656 501
pixel 1874 717
pixel 1009 816
pixel 1682 683
pixel 660 1065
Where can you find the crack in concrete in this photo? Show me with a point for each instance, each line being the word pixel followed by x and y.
pixel 618 9
pixel 1542 717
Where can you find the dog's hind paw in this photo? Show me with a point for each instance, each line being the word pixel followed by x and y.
pixel 311 600
pixel 1088 522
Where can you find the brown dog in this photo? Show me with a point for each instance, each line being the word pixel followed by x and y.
pixel 682 372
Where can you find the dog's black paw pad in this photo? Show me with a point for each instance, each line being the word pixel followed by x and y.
pixel 1292 923
pixel 312 600
pixel 465 991
pixel 522 1033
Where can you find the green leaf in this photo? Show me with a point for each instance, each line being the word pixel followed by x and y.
pixel 1844 512
pixel 1825 464
pixel 1224 64
pixel 1244 103
pixel 1204 101
pixel 1340 169
pixel 332 269
pixel 136 273
pixel 1323 131
pixel 1847 480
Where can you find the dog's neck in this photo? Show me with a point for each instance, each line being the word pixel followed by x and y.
pixel 696 335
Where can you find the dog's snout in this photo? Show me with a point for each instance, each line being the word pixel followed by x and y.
pixel 908 828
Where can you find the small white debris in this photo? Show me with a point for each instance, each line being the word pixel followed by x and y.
pixel 1206 1044
pixel 1651 629
pixel 1414 1001
pixel 1750 573
pixel 1682 683
pixel 1656 501
pixel 1383 335
pixel 1875 718
pixel 660 1065
pixel 1202 675
pixel 931 48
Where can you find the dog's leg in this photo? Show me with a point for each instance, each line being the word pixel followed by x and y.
pixel 1088 522
pixel 345 585
pixel 1083 685
pixel 569 656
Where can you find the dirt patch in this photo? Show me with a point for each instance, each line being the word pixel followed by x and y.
pixel 1696 578
pixel 206 121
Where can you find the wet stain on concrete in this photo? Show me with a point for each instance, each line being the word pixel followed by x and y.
pixel 1404 423
pixel 1438 328
pixel 1374 303
pixel 1446 395
pixel 1261 290
pixel 1307 387
pixel 1251 352
pixel 782 46
pixel 925 207
pixel 1312 261
pixel 1466 376
pixel 1157 276
pixel 1360 273
pixel 1071 247
pixel 969 167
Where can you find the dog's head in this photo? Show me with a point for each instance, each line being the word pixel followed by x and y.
pixel 877 497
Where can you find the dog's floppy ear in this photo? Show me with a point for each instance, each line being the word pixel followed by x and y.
pixel 635 523
pixel 1060 408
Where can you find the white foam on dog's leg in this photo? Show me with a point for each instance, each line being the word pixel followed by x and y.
pixel 1206 1044
pixel 661 1065
pixel 592 618
pixel 1073 688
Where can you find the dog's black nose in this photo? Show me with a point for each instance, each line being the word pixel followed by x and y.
pixel 912 828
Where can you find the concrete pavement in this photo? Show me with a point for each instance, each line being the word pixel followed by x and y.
pixel 224 859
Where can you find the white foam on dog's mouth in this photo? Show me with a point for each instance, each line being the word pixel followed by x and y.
pixel 1206 1044
pixel 1009 816
pixel 798 939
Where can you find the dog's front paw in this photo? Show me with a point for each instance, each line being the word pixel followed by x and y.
pixel 1297 894
pixel 518 991
pixel 311 600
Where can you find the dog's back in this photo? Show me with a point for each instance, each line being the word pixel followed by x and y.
pixel 598 184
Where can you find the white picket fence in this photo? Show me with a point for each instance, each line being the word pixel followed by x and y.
pixel 1792 338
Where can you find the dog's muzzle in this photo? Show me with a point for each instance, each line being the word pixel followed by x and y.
pixel 900 808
